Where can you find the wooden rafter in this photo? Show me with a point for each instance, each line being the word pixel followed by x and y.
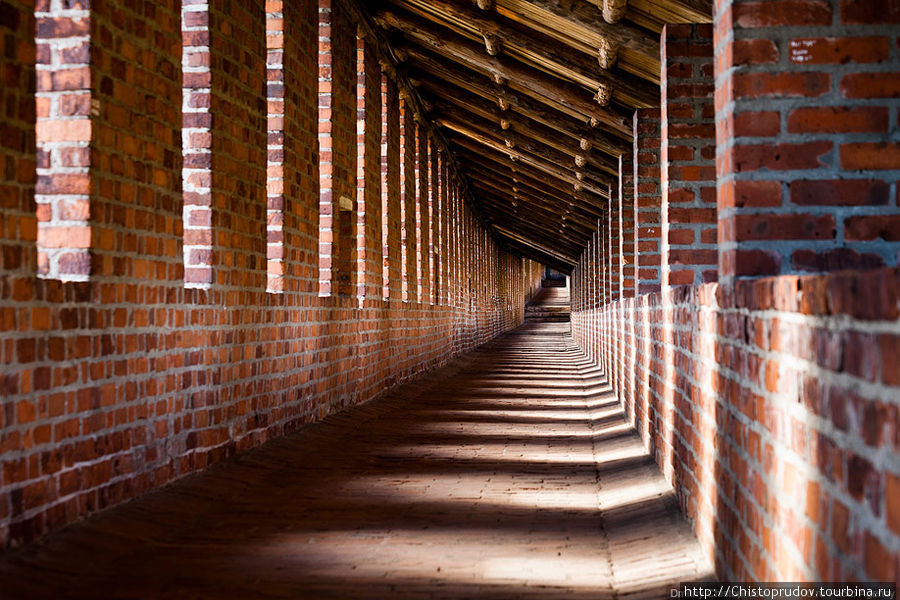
pixel 599 167
pixel 521 175
pixel 479 143
pixel 582 27
pixel 533 101
pixel 469 91
pixel 529 188
pixel 535 49
pixel 508 73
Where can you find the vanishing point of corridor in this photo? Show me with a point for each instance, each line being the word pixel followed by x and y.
pixel 509 473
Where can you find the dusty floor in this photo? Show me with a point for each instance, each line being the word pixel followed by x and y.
pixel 508 474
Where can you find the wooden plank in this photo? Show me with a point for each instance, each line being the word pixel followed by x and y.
pixel 580 208
pixel 509 73
pixel 561 240
pixel 535 49
pixel 598 165
pixel 536 255
pixel 476 94
pixel 563 223
pixel 581 26
pixel 479 143
pixel 570 260
pixel 520 174
pixel 653 14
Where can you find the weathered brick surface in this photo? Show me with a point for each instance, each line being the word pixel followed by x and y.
pixel 64 86
pixel 647 200
pixel 119 384
pixel 395 517
pixel 771 406
pixel 408 211
pixel 368 173
pixel 275 115
pixel 687 156
pixel 626 226
pixel 806 118
pixel 196 145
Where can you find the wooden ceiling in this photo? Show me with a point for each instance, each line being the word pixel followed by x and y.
pixel 534 99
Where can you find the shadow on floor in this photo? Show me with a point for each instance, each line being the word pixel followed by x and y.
pixel 465 485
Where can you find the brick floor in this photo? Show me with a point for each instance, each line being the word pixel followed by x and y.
pixel 510 473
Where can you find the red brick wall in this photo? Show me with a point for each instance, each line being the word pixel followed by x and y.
pixel 771 406
pixel 626 226
pixel 689 253
pixel 647 200
pixel 119 384
pixel 807 99
pixel 196 145
pixel 64 87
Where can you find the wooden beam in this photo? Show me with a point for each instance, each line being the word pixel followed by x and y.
pixel 550 208
pixel 521 196
pixel 653 14
pixel 614 10
pixel 581 26
pixel 599 165
pixel 560 240
pixel 512 235
pixel 520 174
pixel 521 112
pixel 576 208
pixel 477 143
pixel 536 181
pixel 526 80
pixel 530 153
pixel 536 255
pixel 537 50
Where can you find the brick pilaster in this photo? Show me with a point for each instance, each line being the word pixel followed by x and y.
pixel 647 222
pixel 626 226
pixel 806 115
pixel 688 170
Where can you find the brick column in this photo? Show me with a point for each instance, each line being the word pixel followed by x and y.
pixel 337 150
pixel 648 226
pixel 603 259
pixel 806 115
pixel 18 233
pixel 63 138
pixel 614 246
pixel 368 172
pixel 275 86
pixel 626 226
pixel 408 201
pixel 423 220
pixel 391 192
pixel 300 201
pixel 688 173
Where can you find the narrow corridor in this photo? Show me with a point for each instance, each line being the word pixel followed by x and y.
pixel 510 473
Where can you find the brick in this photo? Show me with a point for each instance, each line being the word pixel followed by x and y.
pixel 805 155
pixel 818 51
pixel 886 227
pixel 757 124
pixel 784 13
pixel 837 259
pixel 754 51
pixel 838 120
pixel 871 85
pixel 868 13
pixel 870 155
pixel 781 85
pixel 783 226
pixel 841 192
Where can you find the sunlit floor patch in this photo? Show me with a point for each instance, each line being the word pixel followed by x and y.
pixel 442 490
